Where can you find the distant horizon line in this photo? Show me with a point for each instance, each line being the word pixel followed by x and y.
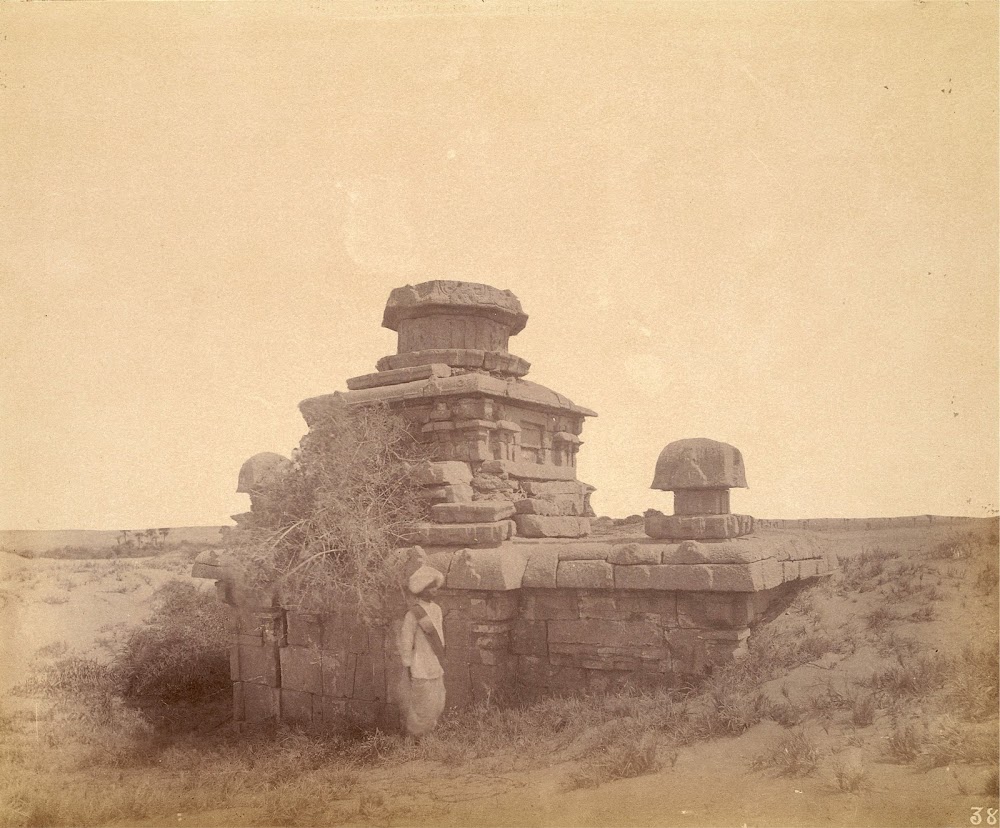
pixel 612 517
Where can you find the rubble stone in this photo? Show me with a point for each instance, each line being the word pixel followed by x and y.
pixel 539 506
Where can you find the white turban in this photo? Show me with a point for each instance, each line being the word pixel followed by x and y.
pixel 423 578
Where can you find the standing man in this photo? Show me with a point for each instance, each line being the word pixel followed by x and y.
pixel 421 648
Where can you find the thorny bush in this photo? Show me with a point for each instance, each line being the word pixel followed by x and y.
pixel 324 534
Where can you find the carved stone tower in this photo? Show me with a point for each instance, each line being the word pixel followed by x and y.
pixel 504 447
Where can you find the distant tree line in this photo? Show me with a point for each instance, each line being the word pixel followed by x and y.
pixel 141 539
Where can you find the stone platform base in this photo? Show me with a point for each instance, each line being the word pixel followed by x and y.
pixel 527 616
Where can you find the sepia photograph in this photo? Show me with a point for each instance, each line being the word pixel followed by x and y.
pixel 499 413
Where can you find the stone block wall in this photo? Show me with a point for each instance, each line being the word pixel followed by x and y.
pixel 569 640
pixel 309 668
pixel 527 619
pixel 306 668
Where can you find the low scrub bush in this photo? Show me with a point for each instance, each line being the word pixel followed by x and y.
pixel 911 568
pixel 181 654
pixel 950 741
pixel 626 750
pixel 863 711
pixel 991 787
pixel 786 714
pixel 851 774
pixel 891 644
pixel 913 678
pixel 904 743
pixel 986 580
pixel 959 545
pixel 879 619
pixel 374 747
pixel 69 676
pixel 972 684
pixel 863 572
pixel 797 754
pixel 729 712
pixel 314 799
pixel 485 729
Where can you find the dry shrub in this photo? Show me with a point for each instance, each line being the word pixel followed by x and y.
pixel 72 675
pixel 879 619
pixel 904 744
pixel 182 653
pixel 986 580
pixel 973 684
pixel 991 787
pixel 313 799
pixel 626 749
pixel 851 774
pixel 891 643
pixel 863 711
pixel 950 741
pixel 863 572
pixel 796 754
pixel 325 533
pixel 786 714
pixel 958 545
pixel 912 678
pixel 730 711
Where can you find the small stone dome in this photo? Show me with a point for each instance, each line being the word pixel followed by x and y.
pixel 261 469
pixel 699 463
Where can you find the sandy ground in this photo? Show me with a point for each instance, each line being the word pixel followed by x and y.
pixel 74 605
pixel 59 606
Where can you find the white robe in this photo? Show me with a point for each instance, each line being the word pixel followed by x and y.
pixel 422 694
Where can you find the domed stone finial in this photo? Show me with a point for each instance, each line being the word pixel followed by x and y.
pixel 261 469
pixel 445 297
pixel 700 473
pixel 699 464
pixel 464 325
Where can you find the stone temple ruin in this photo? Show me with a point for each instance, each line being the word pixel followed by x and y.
pixel 533 603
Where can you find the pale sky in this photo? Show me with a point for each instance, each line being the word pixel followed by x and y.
pixel 772 224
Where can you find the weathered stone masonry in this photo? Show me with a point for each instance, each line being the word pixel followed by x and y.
pixel 532 605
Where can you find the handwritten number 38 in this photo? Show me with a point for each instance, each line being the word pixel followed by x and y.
pixel 977 816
